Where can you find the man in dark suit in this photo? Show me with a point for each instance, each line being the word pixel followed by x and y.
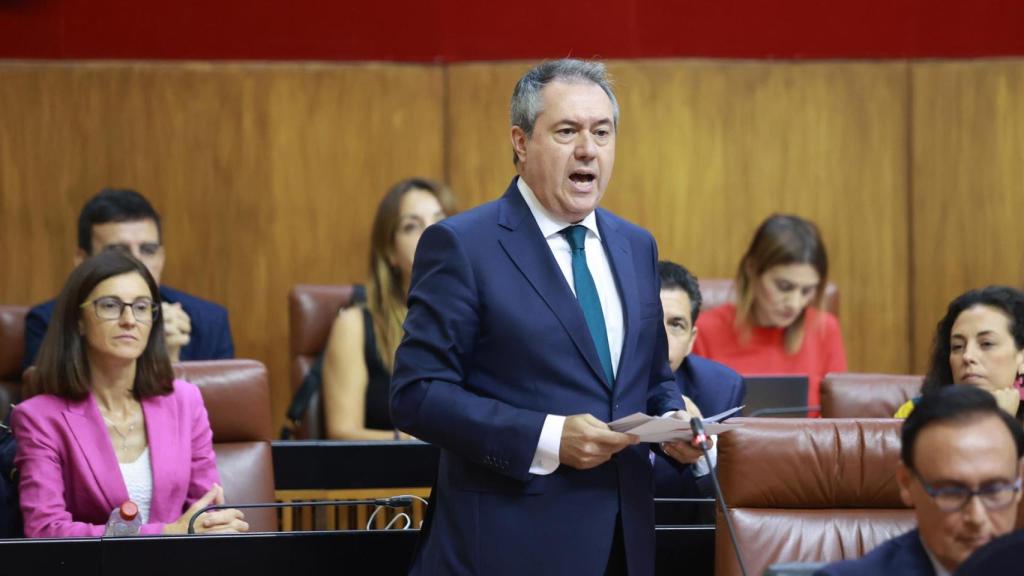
pixel 708 387
pixel 960 470
pixel 533 321
pixel 118 219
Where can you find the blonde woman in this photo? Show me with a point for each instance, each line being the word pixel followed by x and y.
pixel 360 352
pixel 777 325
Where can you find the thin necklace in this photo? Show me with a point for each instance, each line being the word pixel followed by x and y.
pixel 124 437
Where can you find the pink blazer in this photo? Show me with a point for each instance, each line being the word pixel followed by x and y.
pixel 70 479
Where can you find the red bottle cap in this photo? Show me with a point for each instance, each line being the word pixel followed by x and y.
pixel 129 510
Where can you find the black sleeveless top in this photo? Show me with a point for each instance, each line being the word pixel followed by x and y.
pixel 378 385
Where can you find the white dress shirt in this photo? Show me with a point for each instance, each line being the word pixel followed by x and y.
pixel 545 459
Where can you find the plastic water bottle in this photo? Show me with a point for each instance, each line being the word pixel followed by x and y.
pixel 124 520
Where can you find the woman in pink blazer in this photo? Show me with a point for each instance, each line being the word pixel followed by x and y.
pixel 109 422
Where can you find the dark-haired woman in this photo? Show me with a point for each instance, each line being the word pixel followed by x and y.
pixel 109 422
pixel 980 343
pixel 777 325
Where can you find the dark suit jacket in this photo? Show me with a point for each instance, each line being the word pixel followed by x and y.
pixel 714 388
pixel 210 338
pixel 903 555
pixel 494 341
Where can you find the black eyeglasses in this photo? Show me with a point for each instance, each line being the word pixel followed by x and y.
pixel 994 495
pixel 112 307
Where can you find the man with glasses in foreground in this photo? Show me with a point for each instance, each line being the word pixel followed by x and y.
pixel 961 472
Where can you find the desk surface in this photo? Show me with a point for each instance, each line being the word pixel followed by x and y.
pixel 278 554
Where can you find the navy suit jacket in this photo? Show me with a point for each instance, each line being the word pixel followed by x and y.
pixel 495 341
pixel 210 338
pixel 903 555
pixel 714 388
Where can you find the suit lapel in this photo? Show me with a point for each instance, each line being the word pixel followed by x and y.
pixel 529 251
pixel 161 430
pixel 621 259
pixel 90 432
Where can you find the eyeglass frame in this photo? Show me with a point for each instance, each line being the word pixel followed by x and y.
pixel 969 493
pixel 120 313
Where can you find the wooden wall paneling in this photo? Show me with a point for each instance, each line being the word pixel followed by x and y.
pixel 49 155
pixel 340 137
pixel 479 146
pixel 968 184
pixel 707 150
pixel 265 176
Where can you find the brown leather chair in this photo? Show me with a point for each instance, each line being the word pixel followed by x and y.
pixel 12 351
pixel 849 395
pixel 312 309
pixel 808 490
pixel 718 291
pixel 237 398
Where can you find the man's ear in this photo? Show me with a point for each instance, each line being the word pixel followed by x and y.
pixel 80 256
pixel 519 138
pixel 693 338
pixel 1020 470
pixel 903 479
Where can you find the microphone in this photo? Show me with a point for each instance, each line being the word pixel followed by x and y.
pixel 700 440
pixel 392 502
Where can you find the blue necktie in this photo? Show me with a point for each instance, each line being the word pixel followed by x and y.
pixel 586 294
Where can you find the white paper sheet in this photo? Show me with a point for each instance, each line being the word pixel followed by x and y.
pixel 668 428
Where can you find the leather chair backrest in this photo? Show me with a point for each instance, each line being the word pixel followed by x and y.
pixel 850 395
pixel 12 350
pixel 808 490
pixel 237 399
pixel 715 292
pixel 312 309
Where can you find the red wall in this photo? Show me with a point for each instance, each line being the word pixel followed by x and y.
pixel 459 30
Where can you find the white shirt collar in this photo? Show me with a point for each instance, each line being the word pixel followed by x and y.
pixel 548 224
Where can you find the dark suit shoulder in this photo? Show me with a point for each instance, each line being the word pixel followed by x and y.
pixel 622 225
pixel 713 386
pixel 211 331
pixel 902 555
pixel 704 368
pixel 36 322
pixel 43 310
pixel 190 302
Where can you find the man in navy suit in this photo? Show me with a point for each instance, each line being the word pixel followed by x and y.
pixel 533 321
pixel 708 387
pixel 118 219
pixel 960 470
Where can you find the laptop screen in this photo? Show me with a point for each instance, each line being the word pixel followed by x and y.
pixel 776 396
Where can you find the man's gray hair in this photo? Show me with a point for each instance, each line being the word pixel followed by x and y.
pixel 527 103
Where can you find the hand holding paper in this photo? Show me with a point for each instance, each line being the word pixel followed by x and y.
pixel 670 428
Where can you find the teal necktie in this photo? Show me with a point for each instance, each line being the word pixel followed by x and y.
pixel 586 294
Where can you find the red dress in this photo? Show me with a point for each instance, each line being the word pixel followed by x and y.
pixel 763 353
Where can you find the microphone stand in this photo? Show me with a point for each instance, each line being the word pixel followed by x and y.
pixel 393 502
pixel 700 439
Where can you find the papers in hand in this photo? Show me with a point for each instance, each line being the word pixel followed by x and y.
pixel 670 428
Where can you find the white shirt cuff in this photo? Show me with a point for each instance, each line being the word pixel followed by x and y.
pixel 545 459
pixel 700 467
